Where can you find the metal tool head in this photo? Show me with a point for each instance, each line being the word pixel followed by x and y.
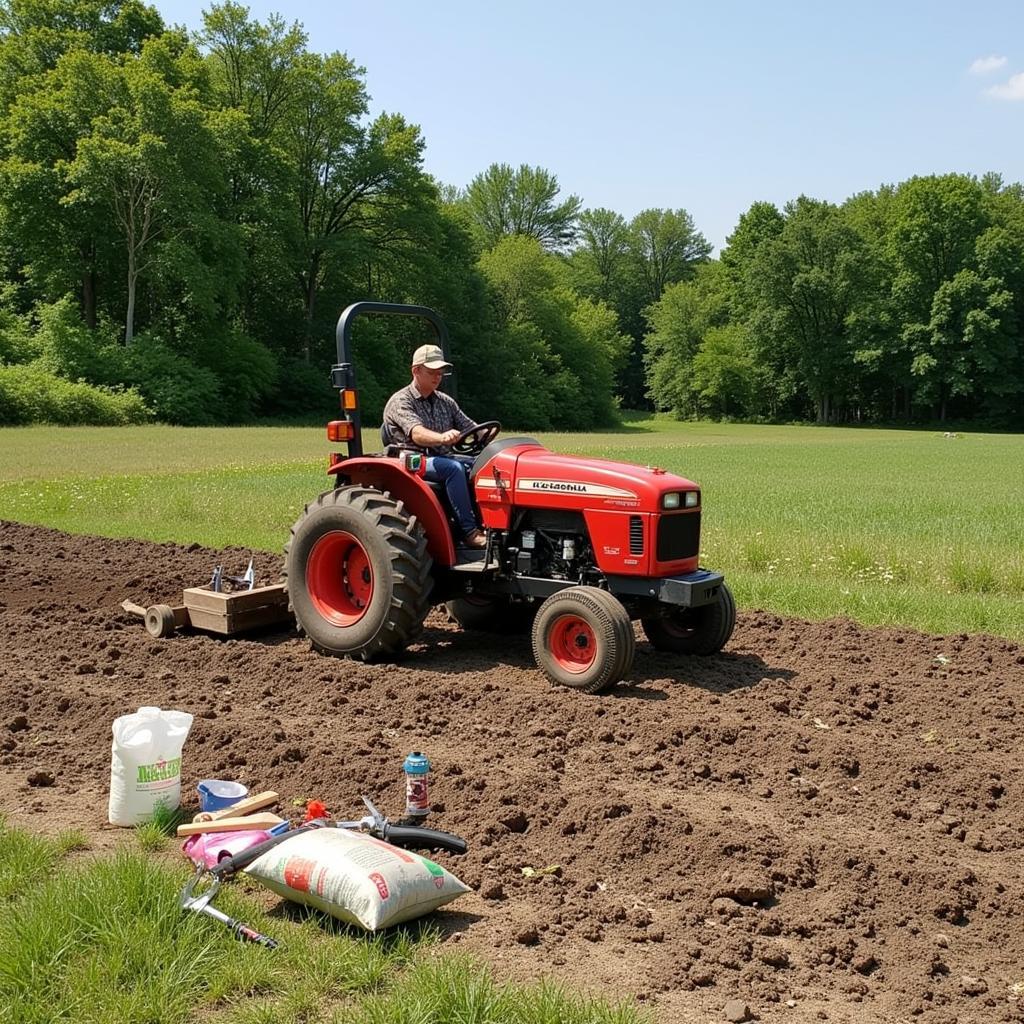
pixel 190 899
pixel 249 577
pixel 379 821
pixel 247 581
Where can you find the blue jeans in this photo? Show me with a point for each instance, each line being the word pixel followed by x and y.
pixel 453 472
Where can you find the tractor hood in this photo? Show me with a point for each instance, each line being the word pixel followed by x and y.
pixel 544 472
pixel 541 474
pixel 640 521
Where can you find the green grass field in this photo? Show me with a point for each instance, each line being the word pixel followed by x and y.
pixel 885 526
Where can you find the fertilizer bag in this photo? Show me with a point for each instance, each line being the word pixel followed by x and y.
pixel 145 764
pixel 355 878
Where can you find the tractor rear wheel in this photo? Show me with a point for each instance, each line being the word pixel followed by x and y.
pixel 583 638
pixel 704 630
pixel 357 573
pixel 486 614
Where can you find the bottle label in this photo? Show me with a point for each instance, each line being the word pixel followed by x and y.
pixel 416 799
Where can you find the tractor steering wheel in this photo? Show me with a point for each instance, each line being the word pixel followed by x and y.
pixel 474 440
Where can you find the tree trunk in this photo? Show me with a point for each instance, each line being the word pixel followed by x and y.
pixel 89 298
pixel 309 302
pixel 129 319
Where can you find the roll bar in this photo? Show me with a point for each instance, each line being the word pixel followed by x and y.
pixel 343 373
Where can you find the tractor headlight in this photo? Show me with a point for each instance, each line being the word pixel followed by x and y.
pixel 692 499
pixel 670 500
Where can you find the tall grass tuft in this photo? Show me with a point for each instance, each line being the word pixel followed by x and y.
pixel 152 835
pixel 24 858
pixel 460 989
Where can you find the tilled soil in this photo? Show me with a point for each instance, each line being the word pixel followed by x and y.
pixel 824 822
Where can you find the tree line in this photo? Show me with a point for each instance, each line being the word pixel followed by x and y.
pixel 183 215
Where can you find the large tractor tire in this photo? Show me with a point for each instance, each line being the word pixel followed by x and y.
pixel 704 630
pixel 583 638
pixel 357 574
pixel 487 614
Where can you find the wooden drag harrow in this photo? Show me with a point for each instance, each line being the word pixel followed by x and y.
pixel 217 610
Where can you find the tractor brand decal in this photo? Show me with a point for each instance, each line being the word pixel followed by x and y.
pixel 573 487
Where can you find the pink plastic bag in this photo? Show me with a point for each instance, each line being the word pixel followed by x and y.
pixel 210 848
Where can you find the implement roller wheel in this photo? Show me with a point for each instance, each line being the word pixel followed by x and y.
pixel 159 620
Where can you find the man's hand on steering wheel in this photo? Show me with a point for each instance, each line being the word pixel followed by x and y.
pixel 474 440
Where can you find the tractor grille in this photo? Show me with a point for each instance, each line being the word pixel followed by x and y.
pixel 636 535
pixel 678 536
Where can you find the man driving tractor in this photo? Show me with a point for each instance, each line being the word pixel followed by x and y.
pixel 421 416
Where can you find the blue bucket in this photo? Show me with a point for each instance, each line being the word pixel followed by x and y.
pixel 216 794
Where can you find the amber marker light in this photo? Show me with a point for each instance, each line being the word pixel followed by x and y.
pixel 340 430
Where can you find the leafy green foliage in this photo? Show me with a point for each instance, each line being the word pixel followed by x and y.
pixel 216 200
pixel 629 266
pixel 505 201
pixel 176 390
pixel 30 394
pixel 678 324
pixel 904 304
pixel 559 350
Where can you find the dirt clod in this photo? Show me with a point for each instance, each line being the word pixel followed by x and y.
pixel 973 986
pixel 736 1011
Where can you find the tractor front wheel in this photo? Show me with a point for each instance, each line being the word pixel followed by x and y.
pixel 357 573
pixel 704 630
pixel 583 638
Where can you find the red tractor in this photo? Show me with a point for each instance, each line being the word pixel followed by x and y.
pixel 576 548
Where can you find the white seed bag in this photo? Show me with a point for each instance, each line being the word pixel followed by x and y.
pixel 355 878
pixel 145 764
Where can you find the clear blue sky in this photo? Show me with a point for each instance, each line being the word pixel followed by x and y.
pixel 704 106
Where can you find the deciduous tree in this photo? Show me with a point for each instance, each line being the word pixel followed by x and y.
pixel 521 201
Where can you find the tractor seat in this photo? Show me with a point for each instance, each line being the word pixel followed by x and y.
pixel 392 451
pixel 390 448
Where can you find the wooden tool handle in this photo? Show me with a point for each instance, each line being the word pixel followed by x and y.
pixel 246 806
pixel 253 821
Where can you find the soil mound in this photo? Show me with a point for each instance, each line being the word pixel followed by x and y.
pixel 824 822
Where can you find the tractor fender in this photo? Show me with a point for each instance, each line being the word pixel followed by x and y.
pixel 384 474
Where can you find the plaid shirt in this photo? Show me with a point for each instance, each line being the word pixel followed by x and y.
pixel 438 412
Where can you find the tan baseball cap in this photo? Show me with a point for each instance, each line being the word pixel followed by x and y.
pixel 431 357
